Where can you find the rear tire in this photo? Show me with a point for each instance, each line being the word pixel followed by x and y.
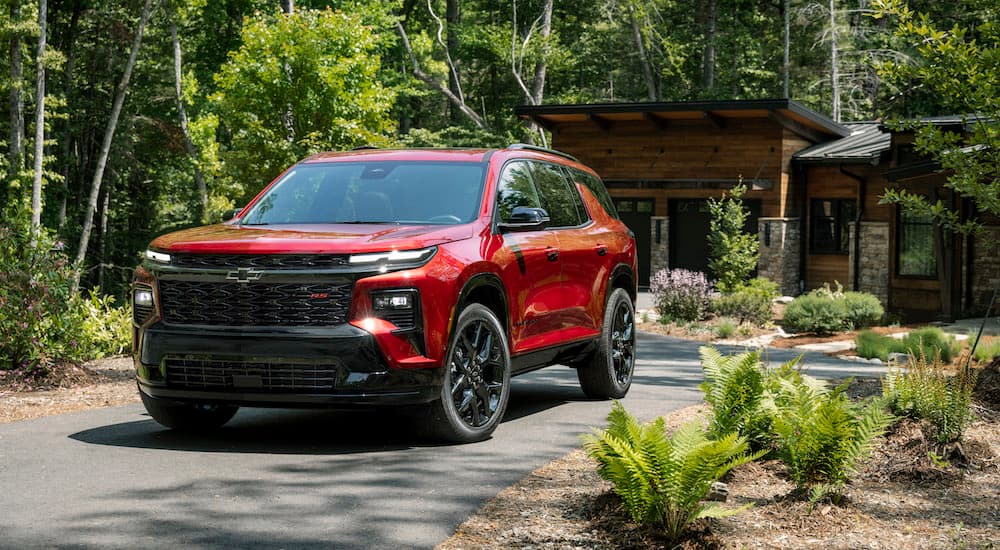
pixel 607 374
pixel 178 415
pixel 476 383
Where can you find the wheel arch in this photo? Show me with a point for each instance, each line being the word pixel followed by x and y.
pixel 486 289
pixel 622 277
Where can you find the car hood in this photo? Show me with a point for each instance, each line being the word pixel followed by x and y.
pixel 308 239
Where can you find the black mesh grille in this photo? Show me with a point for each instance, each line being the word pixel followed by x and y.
pixel 268 261
pixel 403 319
pixel 254 304
pixel 250 375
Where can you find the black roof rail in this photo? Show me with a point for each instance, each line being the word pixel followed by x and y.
pixel 528 147
pixel 363 147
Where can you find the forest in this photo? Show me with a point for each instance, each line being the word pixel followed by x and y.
pixel 131 118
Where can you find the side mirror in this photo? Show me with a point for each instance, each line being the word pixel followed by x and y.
pixel 525 218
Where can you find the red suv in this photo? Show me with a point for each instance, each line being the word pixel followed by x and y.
pixel 424 278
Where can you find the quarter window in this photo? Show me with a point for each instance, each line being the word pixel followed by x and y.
pixel 915 245
pixel 828 225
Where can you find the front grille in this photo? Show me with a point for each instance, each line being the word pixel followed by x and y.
pixel 263 261
pixel 220 374
pixel 254 304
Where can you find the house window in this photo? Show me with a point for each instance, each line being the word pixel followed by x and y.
pixel 828 219
pixel 915 245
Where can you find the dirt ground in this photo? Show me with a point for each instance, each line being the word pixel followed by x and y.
pixel 102 383
pixel 901 499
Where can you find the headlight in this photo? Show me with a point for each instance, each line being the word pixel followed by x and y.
pixel 143 297
pixel 394 256
pixel 158 257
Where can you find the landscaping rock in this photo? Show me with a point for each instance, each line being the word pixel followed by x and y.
pixel 718 493
pixel 901 359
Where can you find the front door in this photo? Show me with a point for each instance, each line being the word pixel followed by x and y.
pixel 689 226
pixel 636 214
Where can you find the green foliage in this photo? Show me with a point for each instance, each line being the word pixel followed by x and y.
pixel 827 310
pixel 925 342
pixel 734 387
pixel 925 391
pixel 725 327
pixel 987 348
pixel 821 434
pixel 106 329
pixel 39 323
pixel 662 479
pixel 747 305
pixel 961 67
pixel 299 84
pixel 733 254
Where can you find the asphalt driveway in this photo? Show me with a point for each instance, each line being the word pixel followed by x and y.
pixel 113 478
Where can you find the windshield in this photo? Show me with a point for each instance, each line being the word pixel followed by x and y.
pixel 372 192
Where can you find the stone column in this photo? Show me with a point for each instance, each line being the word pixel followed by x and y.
pixel 659 244
pixel 779 253
pixel 873 257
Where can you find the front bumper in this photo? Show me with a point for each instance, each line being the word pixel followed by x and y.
pixel 281 367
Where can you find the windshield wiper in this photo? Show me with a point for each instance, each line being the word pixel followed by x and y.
pixel 369 222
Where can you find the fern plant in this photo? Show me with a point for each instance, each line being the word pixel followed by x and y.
pixel 663 479
pixel 925 391
pixel 734 387
pixel 821 434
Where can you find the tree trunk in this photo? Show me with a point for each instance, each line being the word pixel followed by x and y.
pixel 288 6
pixel 16 142
pixel 104 237
pixel 66 142
pixel 109 134
pixel 432 82
pixel 708 59
pixel 36 182
pixel 192 151
pixel 538 83
pixel 647 71
pixel 834 63
pixel 785 61
pixel 452 19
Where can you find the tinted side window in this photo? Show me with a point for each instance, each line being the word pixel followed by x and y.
pixel 515 189
pixel 597 188
pixel 557 197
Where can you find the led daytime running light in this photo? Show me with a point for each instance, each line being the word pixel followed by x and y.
pixel 158 256
pixel 391 257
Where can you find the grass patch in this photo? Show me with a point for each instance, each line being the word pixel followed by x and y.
pixel 929 342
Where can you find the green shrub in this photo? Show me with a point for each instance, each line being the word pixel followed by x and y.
pixel 816 313
pixel 734 387
pixel 869 344
pixel 987 348
pixel 924 390
pixel 745 305
pixel 761 285
pixel 725 328
pixel 863 309
pixel 39 317
pixel 931 342
pixel 106 328
pixel 733 253
pixel 820 434
pixel 663 480
pixel 680 295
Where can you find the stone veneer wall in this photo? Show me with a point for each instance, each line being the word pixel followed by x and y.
pixel 985 268
pixel 779 253
pixel 874 257
pixel 659 252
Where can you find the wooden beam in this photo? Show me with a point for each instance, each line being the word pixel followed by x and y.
pixel 601 122
pixel 715 119
pixel 658 121
pixel 544 123
pixel 798 128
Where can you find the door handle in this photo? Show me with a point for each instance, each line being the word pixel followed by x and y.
pixel 601 249
pixel 552 254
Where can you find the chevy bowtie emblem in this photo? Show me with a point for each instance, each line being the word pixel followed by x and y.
pixel 244 275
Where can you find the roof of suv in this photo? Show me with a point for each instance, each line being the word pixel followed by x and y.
pixel 453 154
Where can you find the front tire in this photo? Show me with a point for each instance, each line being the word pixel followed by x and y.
pixel 607 374
pixel 190 417
pixel 476 379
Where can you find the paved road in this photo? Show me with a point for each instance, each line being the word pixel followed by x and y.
pixel 112 478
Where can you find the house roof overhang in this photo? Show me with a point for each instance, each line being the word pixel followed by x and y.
pixel 785 112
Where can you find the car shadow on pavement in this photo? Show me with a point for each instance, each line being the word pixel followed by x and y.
pixel 315 431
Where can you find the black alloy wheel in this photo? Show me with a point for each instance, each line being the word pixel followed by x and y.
pixel 477 378
pixel 607 374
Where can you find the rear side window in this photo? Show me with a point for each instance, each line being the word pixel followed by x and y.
pixel 596 186
pixel 558 199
